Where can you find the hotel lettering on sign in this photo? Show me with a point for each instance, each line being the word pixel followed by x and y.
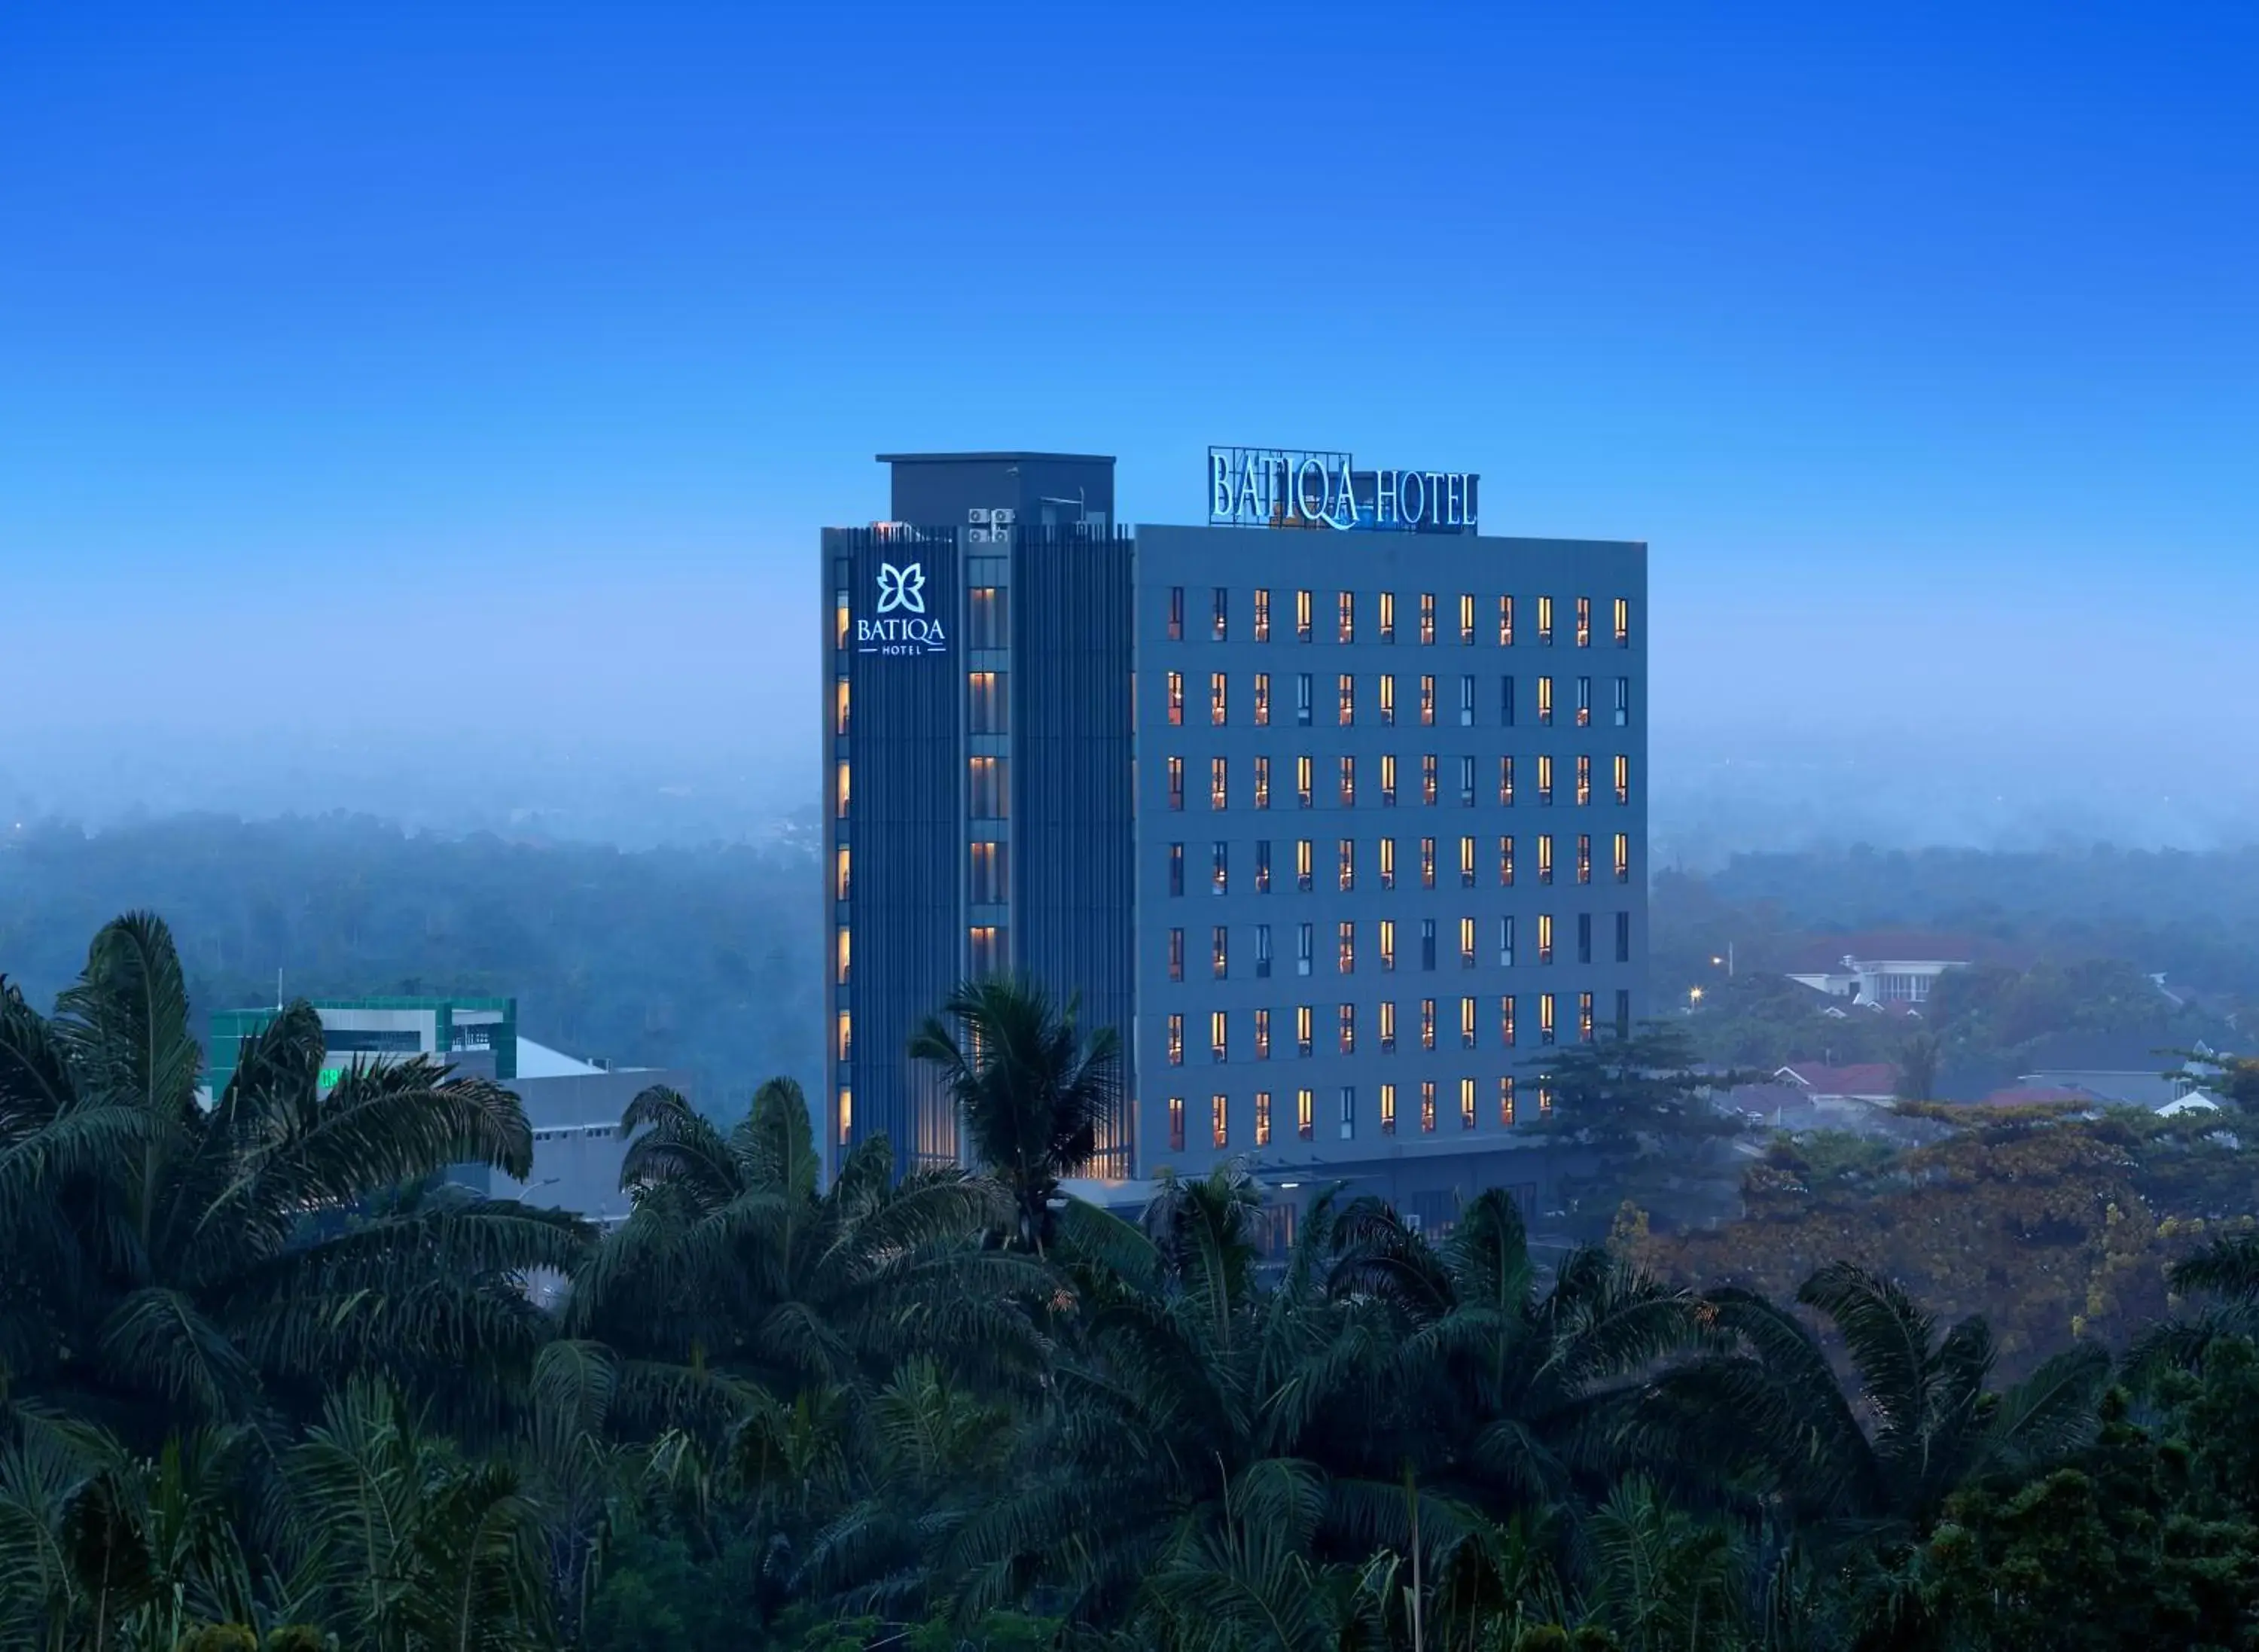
pixel 1302 488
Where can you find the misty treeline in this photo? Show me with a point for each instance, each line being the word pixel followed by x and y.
pixel 710 959
pixel 272 1387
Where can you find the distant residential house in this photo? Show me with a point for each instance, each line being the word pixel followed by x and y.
pixel 1881 983
pixel 1867 1083
pixel 2126 1070
pixel 2033 1095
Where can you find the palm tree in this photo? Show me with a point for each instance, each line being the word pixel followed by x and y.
pixel 2227 1270
pixel 214 1262
pixel 1032 1090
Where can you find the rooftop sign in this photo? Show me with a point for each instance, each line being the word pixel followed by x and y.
pixel 1300 488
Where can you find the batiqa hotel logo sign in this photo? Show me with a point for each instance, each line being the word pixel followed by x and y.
pixel 1302 488
pixel 900 623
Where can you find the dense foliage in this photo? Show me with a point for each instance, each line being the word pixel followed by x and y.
pixel 273 1386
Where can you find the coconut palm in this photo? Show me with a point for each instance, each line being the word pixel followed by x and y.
pixel 1032 1089
pixel 212 1263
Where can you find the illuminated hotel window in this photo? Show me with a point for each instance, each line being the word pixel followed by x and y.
pixel 985 944
pixel 1347 690
pixel 1584 857
pixel 1388 1027
pixel 843 950
pixel 1624 622
pixel 1305 867
pixel 843 1049
pixel 1388 700
pixel 1427 779
pixel 1427 616
pixel 1345 948
pixel 1220 623
pixel 1505 862
pixel 1176 1124
pixel 843 875
pixel 1427 1024
pixel 1506 1100
pixel 1262 615
pixel 1428 1105
pixel 1388 780
pixel 1623 858
pixel 1176 1041
pixel 839 622
pixel 1544 938
pixel 1466 944
pixel 1584 779
pixel 1505 621
pixel 1262 1035
pixel 1388 616
pixel 1545 779
pixel 1546 857
pixel 991 788
pixel 1345 619
pixel 1219 951
pixel 1584 1017
pixel 1176 868
pixel 1623 779
pixel 1583 702
pixel 1584 621
pixel 1176 955
pixel 1176 612
pixel 1506 1032
pixel 1426 863
pixel 1263 782
pixel 1305 1030
pixel 1466 619
pixel 839 706
pixel 846 1115
pixel 1263 865
pixel 839 797
pixel 1623 937
pixel 1466 1104
pixel 1216 698
pixel 1427 703
pixel 1544 1101
pixel 1544 1018
pixel 1468 1037
pixel 1388 1109
pixel 1348 782
pixel 1544 619
pixel 1346 1019
pixel 1346 857
pixel 1388 863
pixel 1505 782
pixel 987 709
pixel 1176 693
pixel 1302 700
pixel 1218 1038
pixel 1301 616
pixel 1466 703
pixel 1584 938
pixel 1219 867
pixel 1215 1114
pixel 986 611
pixel 1505 941
pixel 1175 770
pixel 1218 788
pixel 1387 944
pixel 1262 951
pixel 1466 862
pixel 1545 702
pixel 1306 1120
pixel 1262 699
pixel 1261 1118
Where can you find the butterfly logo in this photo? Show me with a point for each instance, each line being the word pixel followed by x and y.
pixel 902 588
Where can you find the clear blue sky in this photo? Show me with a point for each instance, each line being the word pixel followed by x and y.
pixel 354 361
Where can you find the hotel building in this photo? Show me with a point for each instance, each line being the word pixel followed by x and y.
pixel 1335 806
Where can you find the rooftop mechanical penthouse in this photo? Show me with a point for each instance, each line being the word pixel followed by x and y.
pixel 1336 806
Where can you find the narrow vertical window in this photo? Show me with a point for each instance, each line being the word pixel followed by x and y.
pixel 1263 782
pixel 1219 877
pixel 1427 779
pixel 1468 1013
pixel 1623 702
pixel 1219 1035
pixel 845 950
pixel 1388 700
pixel 1345 618
pixel 1505 862
pixel 1585 1018
pixel 1262 1035
pixel 1262 699
pixel 1544 1018
pixel 1176 1124
pixel 1584 857
pixel 987 881
pixel 1347 691
pixel 1584 779
pixel 1305 1030
pixel 1263 965
pixel 1176 868
pixel 1218 788
pixel 1466 1104
pixel 1583 702
pixel 1506 1030
pixel 1544 938
pixel 1176 612
pixel 1301 616
pixel 1387 944
pixel 1623 779
pixel 1388 1027
pixel 1176 1041
pixel 1544 702
pixel 1428 1105
pixel 1263 865
pixel 1427 1024
pixel 1427 703
pixel 1388 616
pixel 1505 782
pixel 1262 615
pixel 1426 863
pixel 1347 855
pixel 1505 621
pixel 1216 698
pixel 1306 1111
pixel 1388 863
pixel 1466 782
pixel 1623 937
pixel 1220 626
pixel 1304 870
pixel 1466 944
pixel 1305 947
pixel 839 706
pixel 1176 955
pixel 1584 938
pixel 1388 1109
pixel 1302 700
pixel 1303 771
pixel 1466 619
pixel 1175 686
pixel 1467 702
pixel 1348 782
pixel 1346 1036
pixel 1544 619
pixel 1466 862
pixel 1544 781
pixel 1345 948
pixel 1506 1100
pixel 1261 1118
pixel 1623 1013
pixel 1546 857
pixel 840 794
pixel 1624 622
pixel 1388 779
pixel 843 878
pixel 1623 858
pixel 1584 621
pixel 1427 616
pixel 1174 768
pixel 1216 1108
